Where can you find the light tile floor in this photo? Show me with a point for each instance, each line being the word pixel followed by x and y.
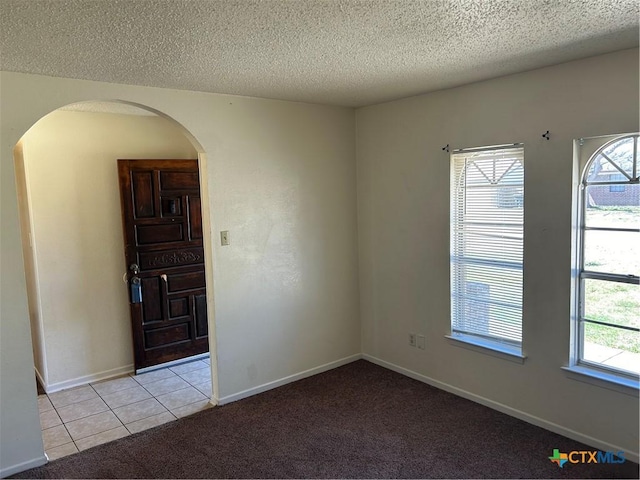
pixel 83 417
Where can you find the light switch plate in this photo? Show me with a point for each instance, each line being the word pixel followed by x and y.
pixel 224 237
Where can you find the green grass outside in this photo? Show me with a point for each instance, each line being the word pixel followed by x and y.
pixel 612 302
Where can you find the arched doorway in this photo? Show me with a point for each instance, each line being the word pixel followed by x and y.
pixel 73 248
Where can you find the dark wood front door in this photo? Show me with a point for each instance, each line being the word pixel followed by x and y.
pixel 164 254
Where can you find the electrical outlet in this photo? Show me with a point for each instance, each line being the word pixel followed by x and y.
pixel 412 339
pixel 420 342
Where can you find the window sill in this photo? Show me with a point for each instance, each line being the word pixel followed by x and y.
pixel 487 347
pixel 603 379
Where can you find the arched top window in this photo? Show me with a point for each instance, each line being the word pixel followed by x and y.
pixel 615 162
pixel 608 289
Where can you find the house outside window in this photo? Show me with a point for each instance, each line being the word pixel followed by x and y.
pixel 617 188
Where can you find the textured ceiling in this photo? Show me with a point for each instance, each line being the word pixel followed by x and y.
pixel 341 52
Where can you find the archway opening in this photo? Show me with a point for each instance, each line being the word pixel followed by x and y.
pixel 73 246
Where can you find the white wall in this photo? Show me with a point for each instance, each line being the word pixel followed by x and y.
pixel 281 178
pixel 403 222
pixel 83 310
pixel 31 275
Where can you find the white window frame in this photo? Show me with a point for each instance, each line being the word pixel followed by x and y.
pixel 499 347
pixel 598 373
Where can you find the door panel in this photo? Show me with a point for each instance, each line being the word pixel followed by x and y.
pixel 161 337
pixel 162 224
pixel 149 234
pixel 186 281
pixel 202 326
pixel 179 180
pixel 152 302
pixel 178 307
pixel 167 257
pixel 195 219
pixel 143 194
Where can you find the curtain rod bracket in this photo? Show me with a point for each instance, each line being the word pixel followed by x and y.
pixel 446 148
pixel 546 135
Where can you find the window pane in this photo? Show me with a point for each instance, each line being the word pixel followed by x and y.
pixel 500 244
pixel 612 347
pixel 612 302
pixel 612 252
pixel 619 154
pixel 610 241
pixel 487 195
pixel 605 208
pixel 618 188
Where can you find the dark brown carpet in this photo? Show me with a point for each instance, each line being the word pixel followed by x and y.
pixel 357 421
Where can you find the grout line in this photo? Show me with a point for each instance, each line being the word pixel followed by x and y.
pixel 167 393
pixel 63 423
pixel 143 387
pixel 194 384
pixel 141 418
pixel 167 410
pixel 118 391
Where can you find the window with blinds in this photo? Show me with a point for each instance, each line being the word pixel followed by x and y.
pixel 487 217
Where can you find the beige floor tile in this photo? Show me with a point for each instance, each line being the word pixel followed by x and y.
pixel 49 418
pixel 191 408
pixel 205 388
pixel 55 436
pixel 79 410
pixel 154 376
pixel 44 404
pixel 187 367
pixel 126 397
pixel 139 410
pixel 92 425
pixel 100 438
pixel 74 395
pixel 61 451
pixel 115 385
pixel 150 422
pixel 165 386
pixel 197 376
pixel 180 398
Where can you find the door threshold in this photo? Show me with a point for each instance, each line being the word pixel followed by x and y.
pixel 172 363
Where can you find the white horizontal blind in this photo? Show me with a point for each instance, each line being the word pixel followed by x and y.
pixel 487 217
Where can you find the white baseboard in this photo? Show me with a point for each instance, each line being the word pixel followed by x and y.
pixel 95 377
pixel 21 467
pixel 537 421
pixel 283 381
